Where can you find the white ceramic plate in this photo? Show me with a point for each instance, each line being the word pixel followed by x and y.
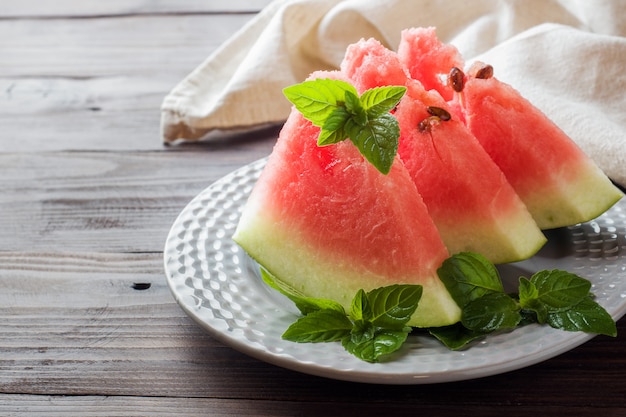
pixel 219 286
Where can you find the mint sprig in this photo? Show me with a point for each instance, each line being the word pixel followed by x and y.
pixel 557 298
pixel 374 328
pixel 563 301
pixel 336 107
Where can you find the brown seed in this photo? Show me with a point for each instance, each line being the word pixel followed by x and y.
pixel 439 112
pixel 428 123
pixel 456 79
pixel 481 70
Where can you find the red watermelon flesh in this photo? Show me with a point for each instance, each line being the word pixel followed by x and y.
pixel 557 181
pixel 428 59
pixel 326 223
pixel 471 202
pixel 368 64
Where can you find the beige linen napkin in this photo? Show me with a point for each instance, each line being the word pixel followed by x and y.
pixel 568 57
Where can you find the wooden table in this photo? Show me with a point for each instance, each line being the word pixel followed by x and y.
pixel 88 326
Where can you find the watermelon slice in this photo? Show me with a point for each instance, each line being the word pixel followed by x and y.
pixel 473 206
pixel 558 182
pixel 326 223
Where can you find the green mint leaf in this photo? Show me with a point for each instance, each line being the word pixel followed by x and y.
pixel 333 129
pixel 529 317
pixel 319 326
pixel 456 336
pixel 392 306
pixel 527 291
pixel 329 137
pixel 370 346
pixel 360 309
pixel 529 301
pixel 362 332
pixel 491 312
pixel 306 305
pixel 317 99
pixel 377 140
pixel 355 109
pixel 558 289
pixel 469 276
pixel 381 100
pixel 336 119
pixel 586 316
pixel 380 318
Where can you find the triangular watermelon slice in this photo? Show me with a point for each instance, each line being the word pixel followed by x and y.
pixel 558 182
pixel 472 204
pixel 327 223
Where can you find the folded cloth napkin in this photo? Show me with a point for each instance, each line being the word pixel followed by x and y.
pixel 566 56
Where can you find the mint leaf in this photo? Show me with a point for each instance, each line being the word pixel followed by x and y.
pixel 377 140
pixel 329 137
pixel 469 276
pixel 371 346
pixel 355 108
pixel 529 300
pixel 456 336
pixel 491 312
pixel 558 289
pixel 392 306
pixel 319 326
pixel 586 316
pixel 317 99
pixel 306 305
pixel 380 318
pixel 360 309
pixel 363 331
pixel 527 290
pixel 380 100
pixel 550 292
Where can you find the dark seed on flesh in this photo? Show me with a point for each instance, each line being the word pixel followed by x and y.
pixel 439 112
pixel 480 70
pixel 456 79
pixel 428 123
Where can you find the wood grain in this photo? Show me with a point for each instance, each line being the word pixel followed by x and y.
pixel 98 83
pixel 91 9
pixel 145 47
pixel 93 406
pixel 98 200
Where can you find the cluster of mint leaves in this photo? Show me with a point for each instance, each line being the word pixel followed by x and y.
pixel 376 324
pixel 557 298
pixel 336 107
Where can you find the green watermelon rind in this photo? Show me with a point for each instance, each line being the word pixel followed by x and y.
pixel 305 272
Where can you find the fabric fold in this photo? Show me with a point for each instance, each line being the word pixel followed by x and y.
pixel 565 56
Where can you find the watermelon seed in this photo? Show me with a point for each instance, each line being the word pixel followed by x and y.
pixel 456 79
pixel 428 123
pixel 481 70
pixel 439 112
